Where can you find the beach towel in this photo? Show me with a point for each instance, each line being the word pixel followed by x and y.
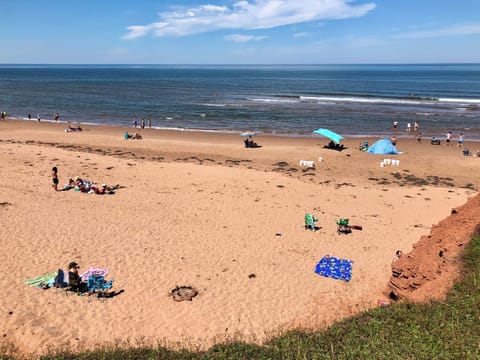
pixel 93 272
pixel 47 279
pixel 335 268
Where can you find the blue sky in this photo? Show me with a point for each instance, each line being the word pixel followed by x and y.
pixel 239 31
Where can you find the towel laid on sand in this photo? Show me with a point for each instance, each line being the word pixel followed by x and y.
pixel 94 272
pixel 335 268
pixel 47 279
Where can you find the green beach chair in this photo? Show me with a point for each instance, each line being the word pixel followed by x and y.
pixel 310 221
pixel 343 227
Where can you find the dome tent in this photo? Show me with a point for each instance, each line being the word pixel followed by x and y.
pixel 383 146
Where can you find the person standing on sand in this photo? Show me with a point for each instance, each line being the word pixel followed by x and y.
pixel 460 140
pixel 56 117
pixel 38 117
pixel 29 116
pixel 409 127
pixel 142 124
pixel 55 178
pixel 448 138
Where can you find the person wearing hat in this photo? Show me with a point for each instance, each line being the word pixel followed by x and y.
pixel 74 279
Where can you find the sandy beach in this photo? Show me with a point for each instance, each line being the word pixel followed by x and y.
pixel 200 209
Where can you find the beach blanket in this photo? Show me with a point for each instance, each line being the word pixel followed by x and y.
pixel 47 279
pixel 335 268
pixel 94 272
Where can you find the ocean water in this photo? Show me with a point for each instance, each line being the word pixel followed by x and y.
pixel 353 100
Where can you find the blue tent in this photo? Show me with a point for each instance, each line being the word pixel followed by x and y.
pixel 383 146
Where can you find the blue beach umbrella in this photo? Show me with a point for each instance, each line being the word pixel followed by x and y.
pixel 248 133
pixel 329 134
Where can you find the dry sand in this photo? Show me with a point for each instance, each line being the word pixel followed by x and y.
pixel 200 209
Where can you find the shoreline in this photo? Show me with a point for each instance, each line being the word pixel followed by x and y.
pixel 200 209
pixel 401 134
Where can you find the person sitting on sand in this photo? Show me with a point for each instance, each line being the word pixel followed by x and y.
pixel 74 280
pixel 126 136
pixel 249 143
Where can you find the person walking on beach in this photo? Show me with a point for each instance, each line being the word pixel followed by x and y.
pixel 409 127
pixel 415 126
pixel 38 117
pixel 448 139
pixel 142 124
pixel 149 123
pixel 29 116
pixel 134 124
pixel 56 117
pixel 460 140
pixel 419 137
pixel 55 178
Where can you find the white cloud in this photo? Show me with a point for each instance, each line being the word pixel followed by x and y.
pixel 301 34
pixel 243 38
pixel 469 29
pixel 247 15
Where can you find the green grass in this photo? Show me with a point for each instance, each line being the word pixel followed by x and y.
pixel 440 330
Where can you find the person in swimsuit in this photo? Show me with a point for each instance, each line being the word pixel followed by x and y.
pixel 55 178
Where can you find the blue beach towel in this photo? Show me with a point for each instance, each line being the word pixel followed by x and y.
pixel 335 268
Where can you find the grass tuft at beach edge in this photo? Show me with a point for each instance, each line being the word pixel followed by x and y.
pixel 439 330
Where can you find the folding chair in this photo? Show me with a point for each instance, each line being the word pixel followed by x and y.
pixel 61 281
pixel 310 221
pixel 98 284
pixel 343 227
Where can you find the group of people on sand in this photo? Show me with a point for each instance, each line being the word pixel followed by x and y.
pixel 134 136
pixel 249 143
pixel 82 185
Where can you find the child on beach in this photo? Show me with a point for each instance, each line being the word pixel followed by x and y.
pixel 55 178
pixel 460 140
pixel 448 138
